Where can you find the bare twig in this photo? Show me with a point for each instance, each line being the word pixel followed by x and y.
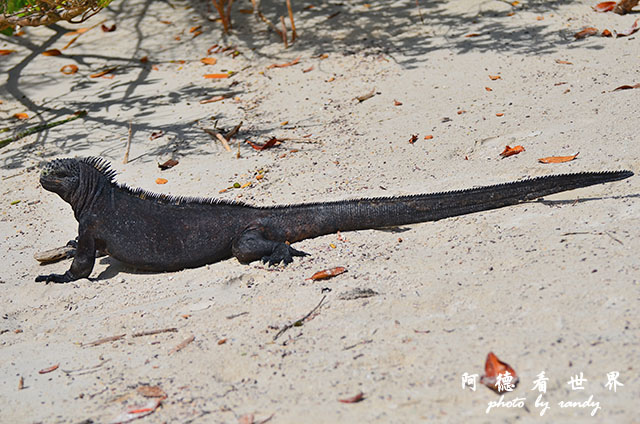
pixel 269 24
pixel 126 152
pixel 152 332
pixel 233 132
pixel 237 315
pixel 183 344
pixel 299 322
pixel 419 12
pixel 105 340
pixel 284 33
pixel 215 134
pixel 293 24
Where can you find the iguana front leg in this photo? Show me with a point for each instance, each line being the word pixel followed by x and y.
pixel 252 245
pixel 82 264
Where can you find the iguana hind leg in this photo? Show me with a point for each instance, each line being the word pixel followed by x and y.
pixel 252 246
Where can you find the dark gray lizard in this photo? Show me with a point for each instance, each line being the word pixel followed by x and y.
pixel 156 232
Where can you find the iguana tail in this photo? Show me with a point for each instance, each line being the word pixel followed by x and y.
pixel 314 219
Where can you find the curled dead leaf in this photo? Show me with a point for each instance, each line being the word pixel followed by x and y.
pixel 510 151
pixel 108 28
pixel 209 60
pixel 558 159
pixel 103 73
pixel 161 181
pixel 49 369
pixel 629 31
pixel 413 139
pixel 494 367
pixel 168 164
pixel 626 87
pixel 587 32
pixel 69 69
pixel 353 399
pixel 488 89
pixel 606 33
pixel 328 273
pixel 52 52
pixel 605 6
pixel 494 77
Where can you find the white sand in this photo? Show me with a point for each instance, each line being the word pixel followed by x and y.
pixel 546 286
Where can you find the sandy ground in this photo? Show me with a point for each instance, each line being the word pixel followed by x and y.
pixel 548 286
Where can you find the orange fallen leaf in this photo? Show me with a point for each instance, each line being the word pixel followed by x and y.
pixel 195 28
pixel 492 368
pixel 488 88
pixel 69 69
pixel 605 6
pixel 222 341
pixel 284 123
pixel 284 65
pixel 413 139
pixel 539 18
pixel 328 273
pixel 52 52
pixel 216 76
pixel 499 114
pixel 22 116
pixel 49 369
pixel 510 151
pixel 5 52
pixel 144 59
pixel 397 103
pixel 494 77
pixel 558 159
pixel 460 112
pixel 103 73
pixel 587 32
pixel 606 33
pixel 161 181
pixel 428 137
pixel 197 33
pixel 473 34
pixel 626 87
pixel 353 399
pixel 323 56
pixel 209 60
pixel 563 62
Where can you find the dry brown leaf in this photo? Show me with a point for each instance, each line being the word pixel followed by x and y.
pixel 209 60
pixel 473 34
pixel 499 114
pixel 168 164
pixel 353 399
pixel 49 369
pixel 107 28
pixel 606 33
pixel 626 87
pixel 558 159
pixel 413 139
pixel 52 52
pixel 284 65
pixel 488 89
pixel 397 103
pixel 510 151
pixel 103 73
pixel 182 344
pixel 194 28
pixel 151 391
pixel 197 33
pixel 156 134
pixel 69 69
pixel 624 6
pixel 309 69
pixel 587 32
pixel 563 62
pixel 5 52
pixel 494 77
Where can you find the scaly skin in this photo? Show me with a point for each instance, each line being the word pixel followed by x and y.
pixel 155 232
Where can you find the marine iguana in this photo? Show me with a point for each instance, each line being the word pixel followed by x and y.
pixel 157 232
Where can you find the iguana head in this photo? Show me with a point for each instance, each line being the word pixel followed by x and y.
pixel 61 176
